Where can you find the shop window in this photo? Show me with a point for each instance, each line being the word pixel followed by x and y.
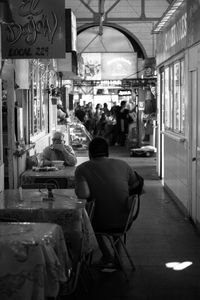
pixel 38 109
pixel 175 97
pixel 176 108
pixel 167 99
pixel 182 97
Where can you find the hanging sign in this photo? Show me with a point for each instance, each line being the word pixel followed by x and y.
pixel 124 92
pixel 174 38
pixel 37 31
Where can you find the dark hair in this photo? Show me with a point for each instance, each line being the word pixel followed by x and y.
pixel 123 102
pixel 98 147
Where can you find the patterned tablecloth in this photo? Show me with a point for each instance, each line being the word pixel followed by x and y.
pixel 33 260
pixel 65 210
pixel 62 177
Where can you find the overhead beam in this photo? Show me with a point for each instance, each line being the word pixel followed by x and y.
pixel 112 6
pixel 101 16
pixel 139 19
pixel 143 9
pixel 87 6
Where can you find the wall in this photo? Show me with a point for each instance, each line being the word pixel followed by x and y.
pixel 40 143
pixel 1 177
pixel 175 169
pixel 1 135
pixel 174 152
pixel 194 138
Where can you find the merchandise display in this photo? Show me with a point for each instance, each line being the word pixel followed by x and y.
pixel 79 136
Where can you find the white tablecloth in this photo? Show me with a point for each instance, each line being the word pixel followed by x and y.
pixel 33 260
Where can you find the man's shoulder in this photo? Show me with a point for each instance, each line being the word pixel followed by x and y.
pixel 118 161
pixel 83 165
pixel 120 164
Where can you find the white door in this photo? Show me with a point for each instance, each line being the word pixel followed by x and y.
pixel 195 148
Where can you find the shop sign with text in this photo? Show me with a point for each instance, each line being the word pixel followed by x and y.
pixel 193 10
pixel 173 39
pixel 37 31
pixel 124 92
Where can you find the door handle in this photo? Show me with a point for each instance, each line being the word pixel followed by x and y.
pixel 196 159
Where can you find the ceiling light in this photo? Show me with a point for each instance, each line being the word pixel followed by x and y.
pixel 167 15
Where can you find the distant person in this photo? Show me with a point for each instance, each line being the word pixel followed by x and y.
pixel 110 182
pixel 58 151
pixel 106 110
pixel 101 125
pixel 124 118
pixel 97 116
pixel 89 121
pixel 80 113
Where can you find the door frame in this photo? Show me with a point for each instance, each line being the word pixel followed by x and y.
pixel 193 85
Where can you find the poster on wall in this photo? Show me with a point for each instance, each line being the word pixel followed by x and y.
pixel 92 66
pixel 119 65
pixel 110 66
pixel 37 31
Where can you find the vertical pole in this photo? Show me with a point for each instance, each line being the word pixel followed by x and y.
pixel 11 120
pixel 1 127
pixel 138 119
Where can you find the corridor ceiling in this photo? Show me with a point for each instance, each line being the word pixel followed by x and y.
pixel 117 25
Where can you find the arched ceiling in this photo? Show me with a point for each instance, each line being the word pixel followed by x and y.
pixel 101 22
pixel 112 40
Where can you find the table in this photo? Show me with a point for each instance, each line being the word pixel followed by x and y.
pixel 33 260
pixel 62 178
pixel 66 210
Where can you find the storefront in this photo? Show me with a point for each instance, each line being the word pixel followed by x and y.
pixel 174 111
pixel 193 12
pixel 29 78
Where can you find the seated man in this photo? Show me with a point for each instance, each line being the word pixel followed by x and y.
pixel 110 182
pixel 58 151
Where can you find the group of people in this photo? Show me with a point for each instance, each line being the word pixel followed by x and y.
pixel 112 124
pixel 109 181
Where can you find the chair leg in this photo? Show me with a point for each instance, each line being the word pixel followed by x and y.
pixel 69 287
pixel 87 264
pixel 113 243
pixel 127 253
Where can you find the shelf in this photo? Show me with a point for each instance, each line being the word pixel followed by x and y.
pixel 174 136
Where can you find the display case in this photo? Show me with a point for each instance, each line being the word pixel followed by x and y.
pixel 79 135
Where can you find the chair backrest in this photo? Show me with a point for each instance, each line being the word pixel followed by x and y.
pixel 90 206
pixel 134 203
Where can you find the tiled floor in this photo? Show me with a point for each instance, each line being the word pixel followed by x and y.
pixel 161 235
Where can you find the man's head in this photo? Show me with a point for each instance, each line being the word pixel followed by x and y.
pixel 123 103
pixel 58 138
pixel 98 147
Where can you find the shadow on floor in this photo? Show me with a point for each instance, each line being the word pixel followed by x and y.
pixel 164 245
pixel 161 235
